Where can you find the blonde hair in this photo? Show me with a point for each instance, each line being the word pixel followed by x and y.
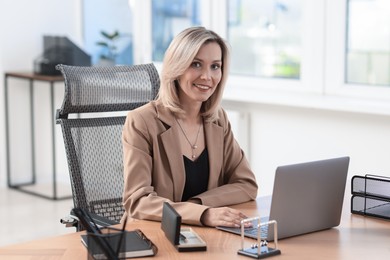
pixel 178 58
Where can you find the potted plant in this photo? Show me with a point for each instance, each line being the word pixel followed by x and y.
pixel 109 47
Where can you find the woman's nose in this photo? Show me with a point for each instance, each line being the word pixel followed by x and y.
pixel 206 74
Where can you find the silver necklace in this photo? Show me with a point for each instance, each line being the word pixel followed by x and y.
pixel 193 146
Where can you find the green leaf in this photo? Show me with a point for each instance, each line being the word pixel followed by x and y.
pixel 102 44
pixel 115 34
pixel 112 36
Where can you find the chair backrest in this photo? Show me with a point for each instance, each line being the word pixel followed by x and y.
pixel 92 136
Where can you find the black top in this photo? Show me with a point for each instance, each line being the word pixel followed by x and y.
pixel 197 175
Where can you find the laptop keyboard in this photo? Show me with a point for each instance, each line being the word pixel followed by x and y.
pixel 252 232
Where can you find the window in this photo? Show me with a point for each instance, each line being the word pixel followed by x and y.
pixel 368 42
pixel 108 16
pixel 266 37
pixel 169 17
pixel 288 49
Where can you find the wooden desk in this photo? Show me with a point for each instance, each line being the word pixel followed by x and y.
pixel 356 238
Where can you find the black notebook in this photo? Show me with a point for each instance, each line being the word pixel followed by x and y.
pixel 112 243
pixel 136 244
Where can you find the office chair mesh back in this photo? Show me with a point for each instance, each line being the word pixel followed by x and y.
pixel 106 89
pixel 93 142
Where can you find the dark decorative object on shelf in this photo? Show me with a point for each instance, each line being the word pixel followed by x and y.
pixel 59 50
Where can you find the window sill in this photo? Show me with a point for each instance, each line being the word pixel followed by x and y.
pixel 306 100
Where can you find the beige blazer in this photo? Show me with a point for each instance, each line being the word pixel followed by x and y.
pixel 154 167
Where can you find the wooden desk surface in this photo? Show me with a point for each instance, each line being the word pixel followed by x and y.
pixel 357 237
pixel 34 76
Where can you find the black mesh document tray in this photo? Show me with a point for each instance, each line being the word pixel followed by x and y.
pixel 371 196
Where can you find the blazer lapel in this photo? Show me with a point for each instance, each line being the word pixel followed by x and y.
pixel 172 149
pixel 214 143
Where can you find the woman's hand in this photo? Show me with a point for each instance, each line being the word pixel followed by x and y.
pixel 223 216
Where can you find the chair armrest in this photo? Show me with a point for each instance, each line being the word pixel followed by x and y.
pixel 72 221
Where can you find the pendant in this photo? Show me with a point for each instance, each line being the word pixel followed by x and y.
pixel 193 156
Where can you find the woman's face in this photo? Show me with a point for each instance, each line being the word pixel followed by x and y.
pixel 201 79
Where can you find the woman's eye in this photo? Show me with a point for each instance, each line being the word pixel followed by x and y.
pixel 195 64
pixel 216 66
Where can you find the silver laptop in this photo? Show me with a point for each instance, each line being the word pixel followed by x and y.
pixel 307 197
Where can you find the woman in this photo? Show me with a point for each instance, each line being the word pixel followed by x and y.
pixel 180 147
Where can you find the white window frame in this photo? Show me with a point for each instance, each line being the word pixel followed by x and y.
pixel 142 40
pixel 336 62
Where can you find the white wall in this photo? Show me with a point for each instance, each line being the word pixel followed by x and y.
pixel 22 25
pixel 282 135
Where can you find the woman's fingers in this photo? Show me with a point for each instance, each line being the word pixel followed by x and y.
pixel 223 216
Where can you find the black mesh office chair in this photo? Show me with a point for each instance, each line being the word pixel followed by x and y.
pixel 99 98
